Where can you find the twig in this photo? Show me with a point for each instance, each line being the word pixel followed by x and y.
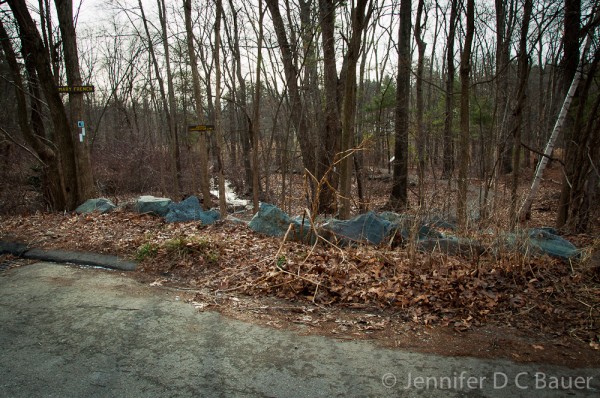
pixel 283 242
pixel 23 146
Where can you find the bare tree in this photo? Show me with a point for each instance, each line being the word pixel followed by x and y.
pixel 85 180
pixel 67 191
pixel 171 113
pixel 518 111
pixel 448 164
pixel 399 195
pixel 464 137
pixel 256 111
pixel 359 17
pixel 420 136
pixel 204 181
pixel 218 121
pixel 298 116
pixel 164 101
pixel 525 211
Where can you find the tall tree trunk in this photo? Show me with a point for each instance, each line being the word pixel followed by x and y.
pixel 218 121
pixel 33 48
pixel 256 112
pixel 85 180
pixel 525 211
pixel 48 38
pixel 349 68
pixel 172 112
pixel 420 136
pixel 313 99
pixel 203 158
pixel 399 196
pixel 572 22
pixel 518 112
pixel 579 165
pixel 360 123
pixel 331 132
pixel 464 137
pixel 448 152
pixel 246 129
pixel 504 10
pixel 161 87
pixel 52 183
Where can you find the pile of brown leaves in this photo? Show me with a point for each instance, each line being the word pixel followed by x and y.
pixel 540 294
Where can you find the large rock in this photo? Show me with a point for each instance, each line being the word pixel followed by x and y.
pixel 271 220
pixel 101 205
pixel 190 210
pixel 153 205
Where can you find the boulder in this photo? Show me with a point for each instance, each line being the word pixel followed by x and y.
pixel 271 220
pixel 153 205
pixel 190 210
pixel 101 205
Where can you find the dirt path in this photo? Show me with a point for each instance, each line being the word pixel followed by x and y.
pixel 67 331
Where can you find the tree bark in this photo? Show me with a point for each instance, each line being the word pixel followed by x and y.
pixel 256 112
pixel 399 196
pixel 331 131
pixel 448 152
pixel 464 137
pixel 359 20
pixel 33 48
pixel 52 183
pixel 218 121
pixel 172 111
pixel 246 128
pixel 572 25
pixel 523 65
pixel 85 180
pixel 504 21
pixel 525 211
pixel 420 136
pixel 202 145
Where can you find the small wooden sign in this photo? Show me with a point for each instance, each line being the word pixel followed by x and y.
pixel 202 127
pixel 75 89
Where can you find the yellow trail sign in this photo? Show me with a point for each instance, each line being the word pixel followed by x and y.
pixel 75 89
pixel 202 127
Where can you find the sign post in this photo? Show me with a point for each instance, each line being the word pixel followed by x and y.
pixel 78 90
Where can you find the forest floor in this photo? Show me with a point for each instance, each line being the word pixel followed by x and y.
pixel 498 305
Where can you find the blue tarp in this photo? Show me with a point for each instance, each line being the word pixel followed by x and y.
pixel 190 210
pixel 101 205
pixel 152 205
pixel 542 241
pixel 271 220
pixel 369 227
pixel 547 241
pixel 372 228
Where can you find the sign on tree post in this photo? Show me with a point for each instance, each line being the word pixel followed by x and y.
pixel 78 90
